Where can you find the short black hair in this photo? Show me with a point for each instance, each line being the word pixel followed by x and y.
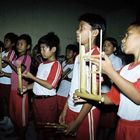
pixel 27 38
pixel 113 41
pixel 51 40
pixel 73 47
pixel 95 20
pixel 12 37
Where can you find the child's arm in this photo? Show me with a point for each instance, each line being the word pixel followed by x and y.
pixel 43 83
pixel 63 114
pixel 8 62
pixel 124 85
pixel 73 126
pixel 2 73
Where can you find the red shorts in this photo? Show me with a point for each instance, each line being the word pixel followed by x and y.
pixel 128 130
pixel 83 133
pixel 18 109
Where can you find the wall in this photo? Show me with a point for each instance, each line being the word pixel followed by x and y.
pixel 38 17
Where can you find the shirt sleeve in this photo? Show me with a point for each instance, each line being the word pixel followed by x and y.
pixel 55 74
pixel 114 95
pixel 137 85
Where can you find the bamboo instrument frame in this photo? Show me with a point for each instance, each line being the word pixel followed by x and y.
pixel 95 91
pixel 58 128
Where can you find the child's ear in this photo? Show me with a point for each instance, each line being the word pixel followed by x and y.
pixel 53 49
pixel 95 32
pixel 28 47
pixel 114 49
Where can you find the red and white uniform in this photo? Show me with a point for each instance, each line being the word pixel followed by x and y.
pixel 45 109
pixel 5 83
pixel 19 104
pixel 64 87
pixel 128 111
pixel 93 115
pixel 11 56
pixel 51 72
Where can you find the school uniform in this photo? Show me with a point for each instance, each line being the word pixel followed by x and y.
pixel 5 84
pixel 64 87
pixel 87 129
pixel 44 101
pixel 19 103
pixel 129 124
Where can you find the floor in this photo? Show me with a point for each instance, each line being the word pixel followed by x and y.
pixel 31 134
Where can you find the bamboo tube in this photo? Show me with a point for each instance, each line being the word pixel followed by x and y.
pixel 19 78
pixel 94 81
pixel 100 68
pixel 82 69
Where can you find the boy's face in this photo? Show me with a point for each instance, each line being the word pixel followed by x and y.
pixel 45 51
pixel 108 48
pixel 7 43
pixel 69 54
pixel 83 31
pixel 131 41
pixel 22 46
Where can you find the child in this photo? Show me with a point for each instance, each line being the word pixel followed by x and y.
pixel 108 113
pixel 67 66
pixel 10 40
pixel 45 83
pixel 126 91
pixel 110 46
pixel 79 117
pixel 19 103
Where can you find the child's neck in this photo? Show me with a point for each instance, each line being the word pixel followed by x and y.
pixel 70 61
pixel 8 49
pixel 22 53
pixel 52 58
pixel 87 47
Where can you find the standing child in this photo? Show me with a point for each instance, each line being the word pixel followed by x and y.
pixel 10 40
pixel 19 103
pixel 67 66
pixel 45 83
pixel 79 117
pixel 109 116
pixel 126 91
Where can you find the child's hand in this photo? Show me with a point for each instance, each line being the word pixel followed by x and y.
pixel 5 59
pixel 1 73
pixel 106 64
pixel 24 89
pixel 27 75
pixel 77 99
pixel 72 128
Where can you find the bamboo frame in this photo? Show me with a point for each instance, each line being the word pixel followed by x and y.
pixel 57 128
pixel 95 87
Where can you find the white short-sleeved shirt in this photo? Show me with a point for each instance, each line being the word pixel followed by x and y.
pixel 7 69
pixel 127 109
pixel 51 72
pixel 64 86
pixel 75 83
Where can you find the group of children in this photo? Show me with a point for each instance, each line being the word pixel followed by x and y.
pixel 54 84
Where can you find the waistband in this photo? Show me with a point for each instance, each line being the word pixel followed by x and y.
pixel 42 96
